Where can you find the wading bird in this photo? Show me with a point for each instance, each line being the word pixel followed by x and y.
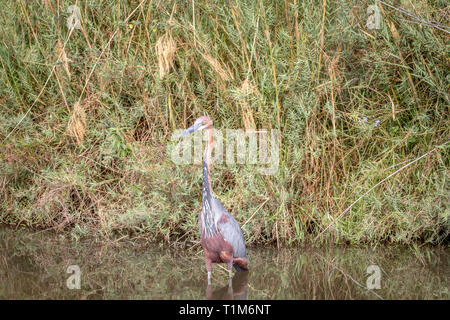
pixel 221 236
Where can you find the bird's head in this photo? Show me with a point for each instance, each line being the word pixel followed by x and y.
pixel 201 123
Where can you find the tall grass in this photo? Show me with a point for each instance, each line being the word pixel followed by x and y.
pixel 86 151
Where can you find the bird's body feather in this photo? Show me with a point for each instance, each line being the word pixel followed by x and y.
pixel 231 231
pixel 221 236
pixel 215 221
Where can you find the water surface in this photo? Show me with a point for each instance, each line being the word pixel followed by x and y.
pixel 33 265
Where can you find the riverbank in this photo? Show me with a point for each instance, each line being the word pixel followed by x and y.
pixel 86 152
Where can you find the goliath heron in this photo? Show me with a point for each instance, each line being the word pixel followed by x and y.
pixel 221 236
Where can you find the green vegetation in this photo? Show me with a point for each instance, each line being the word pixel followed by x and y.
pixel 85 153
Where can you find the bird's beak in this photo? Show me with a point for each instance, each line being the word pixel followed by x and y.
pixel 190 130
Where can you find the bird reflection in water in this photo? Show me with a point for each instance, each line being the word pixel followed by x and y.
pixel 236 291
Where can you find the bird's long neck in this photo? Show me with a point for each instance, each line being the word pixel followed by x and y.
pixel 207 217
pixel 207 190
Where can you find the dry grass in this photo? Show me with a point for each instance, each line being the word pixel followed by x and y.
pixel 62 53
pixel 165 49
pixel 220 70
pixel 76 128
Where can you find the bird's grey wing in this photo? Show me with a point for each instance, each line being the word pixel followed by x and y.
pixel 231 231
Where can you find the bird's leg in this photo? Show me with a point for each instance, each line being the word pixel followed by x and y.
pixel 230 270
pixel 209 294
pixel 208 268
pixel 230 281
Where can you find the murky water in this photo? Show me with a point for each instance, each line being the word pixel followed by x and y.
pixel 34 266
